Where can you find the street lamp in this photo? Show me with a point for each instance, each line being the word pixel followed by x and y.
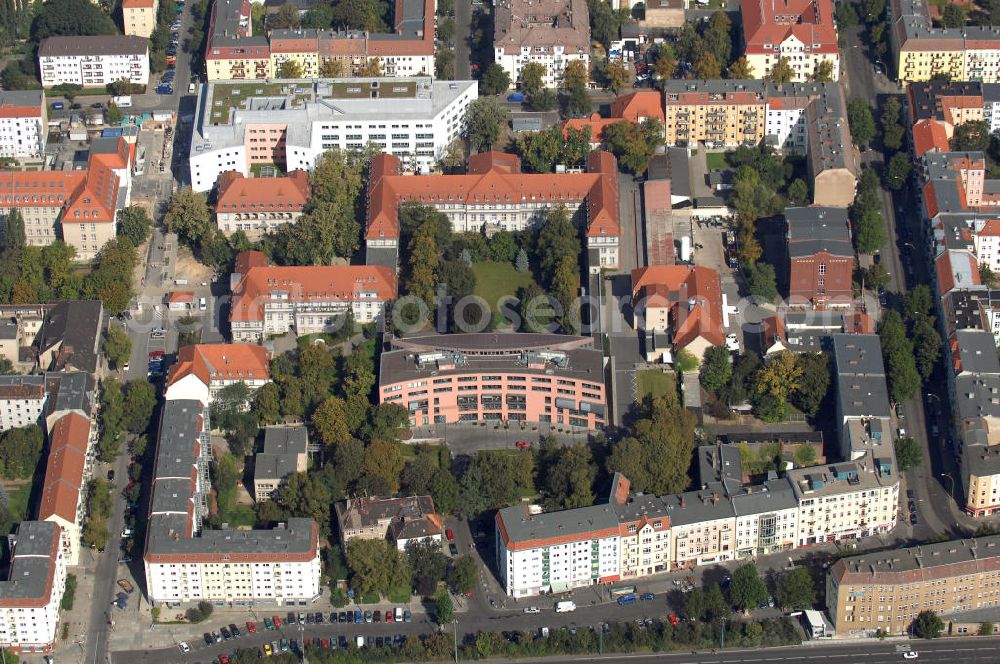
pixel 951 479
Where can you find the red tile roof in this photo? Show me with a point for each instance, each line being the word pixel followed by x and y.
pixel 641 104
pixel 929 135
pixel 249 259
pixel 68 442
pixel 221 362
pixel 493 178
pixel 313 283
pixel 693 292
pixel 771 22
pixel 284 194
pixel 180 296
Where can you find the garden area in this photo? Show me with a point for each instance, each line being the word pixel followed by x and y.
pixel 653 383
pixel 495 281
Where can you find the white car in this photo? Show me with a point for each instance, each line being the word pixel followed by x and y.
pixel 910 655
pixel 732 342
pixel 184 646
pixel 532 609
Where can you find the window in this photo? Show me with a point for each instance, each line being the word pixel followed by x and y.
pixel 822 268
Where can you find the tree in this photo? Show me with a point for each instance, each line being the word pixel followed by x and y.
pixel 927 625
pixel 953 16
pixel 782 71
pixel 139 403
pixel 813 382
pixel 485 118
pixel 382 467
pixel 716 368
pixel 717 36
pixel 634 143
pixel 422 266
pixel 918 302
pixel 845 16
pixel 444 490
pixel 444 609
pixel 117 346
pixel 823 73
pixel 898 171
pixel 287 17
pixel 578 102
pixel 564 284
pixel 68 90
pixel 747 590
pixel 96 534
pixel 657 454
pixel 557 239
pixel 908 453
pixel 861 122
pixel 796 589
pixel 778 379
pixel 134 223
pixel 971 136
pixel 462 575
pixel 267 404
pixel 188 216
pixel 444 64
pixel 926 346
pixel 798 192
pixel 569 482
pixel 532 77
pixel 876 277
pixel 446 30
pixel 290 68
pixel 330 421
pixel 616 75
pixel 331 68
pixel 543 100
pixel 985 629
pixel 113 114
pixel 428 564
pixel 376 566
pixel 540 150
pixel 897 351
pixel 761 281
pixel 494 81
pixel 869 232
pixel 360 15
pixel 707 66
pixel 740 69
pixel 576 74
pixel 20 451
pixel 74 18
pixel 13 235
pixel 372 68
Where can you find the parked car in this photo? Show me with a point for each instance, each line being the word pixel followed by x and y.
pixel 532 609
pixel 267 650
pixel 449 534
pixel 522 444
pixel 235 631
pixel 252 628
pixel 208 639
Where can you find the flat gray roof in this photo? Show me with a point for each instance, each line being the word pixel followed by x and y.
pixel 521 526
pixel 273 466
pixel 31 565
pixel 815 229
pixel 771 496
pixel 286 440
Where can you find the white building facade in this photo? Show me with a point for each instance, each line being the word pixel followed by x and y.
pixel 30 597
pixel 22 401
pixel 23 123
pixel 93 61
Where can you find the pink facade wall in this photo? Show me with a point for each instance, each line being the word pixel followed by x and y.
pixel 444 393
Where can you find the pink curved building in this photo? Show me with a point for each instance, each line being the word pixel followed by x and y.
pixel 441 379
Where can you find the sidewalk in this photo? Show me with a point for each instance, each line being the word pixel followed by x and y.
pixel 73 648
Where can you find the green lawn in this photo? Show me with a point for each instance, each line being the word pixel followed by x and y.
pixel 19 502
pixel 716 161
pixel 654 382
pixel 496 280
pixel 231 96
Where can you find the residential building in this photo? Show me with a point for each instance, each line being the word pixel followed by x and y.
pixel 862 407
pixel 495 195
pixel 234 52
pixel 93 61
pixel 308 299
pixel 33 589
pixel 139 17
pixel 702 527
pixel 800 32
pixel 635 107
pixel 806 330
pixel 886 591
pixel 949 103
pixel 22 401
pixel 285 453
pixel 187 563
pixel 202 370
pixel 484 377
pixel 23 124
pixel 290 123
pixel 259 205
pixel 77 207
pixel 923 51
pixel 70 337
pixel 682 301
pixel 806 118
pixel 550 32
pixel 821 257
pixel 401 520
pixel 67 470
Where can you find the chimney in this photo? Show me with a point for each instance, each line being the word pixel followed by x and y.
pixel 715 497
pixel 682 502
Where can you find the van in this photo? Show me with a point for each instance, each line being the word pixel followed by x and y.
pixel 359 641
pixel 565 607
pixel 627 599
pixel 398 614
pixel 124 101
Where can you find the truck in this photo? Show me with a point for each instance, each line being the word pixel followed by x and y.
pixel 565 607
pixel 126 585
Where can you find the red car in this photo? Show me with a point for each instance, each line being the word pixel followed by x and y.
pixel 251 627
pixel 673 619
pixel 450 535
pixel 522 444
pixel 223 659
pixel 277 621
pixel 156 353
pixel 388 616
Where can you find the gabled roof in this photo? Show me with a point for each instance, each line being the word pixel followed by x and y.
pixel 68 443
pixel 771 22
pixel 693 292
pixel 956 269
pixel 221 362
pixel 282 194
pixel 929 135
pixel 633 106
pixel 493 178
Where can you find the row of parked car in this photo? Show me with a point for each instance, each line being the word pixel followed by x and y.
pixel 358 616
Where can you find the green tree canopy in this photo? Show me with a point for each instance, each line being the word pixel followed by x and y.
pixel 861 122
pixel 747 590
pixel 796 589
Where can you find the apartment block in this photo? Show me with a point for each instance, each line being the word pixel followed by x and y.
pixel 32 591
pixel 923 52
pixel 139 17
pixel 801 32
pixel 495 195
pixel 512 377
pixel 202 370
pixel 950 103
pixel 285 453
pixel 401 520
pixel 807 118
pixel 234 52
pixel 187 563
pixel 22 401
pixel 550 32
pixel 23 123
pixel 292 122
pixel 93 61
pixel 888 590
pixel 257 206
pixel 682 301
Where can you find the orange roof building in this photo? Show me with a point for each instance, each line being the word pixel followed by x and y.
pixel 24 125
pixel 929 135
pixel 801 31
pixel 202 370
pixel 684 301
pixel 62 491
pixel 260 205
pixel 495 195
pixel 635 107
pixel 318 296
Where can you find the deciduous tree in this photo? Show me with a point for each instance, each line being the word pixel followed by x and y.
pixel 716 368
pixel 796 589
pixel 747 590
pixel 495 80
pixel 485 118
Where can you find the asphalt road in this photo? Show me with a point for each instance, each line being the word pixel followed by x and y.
pixel 937 512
